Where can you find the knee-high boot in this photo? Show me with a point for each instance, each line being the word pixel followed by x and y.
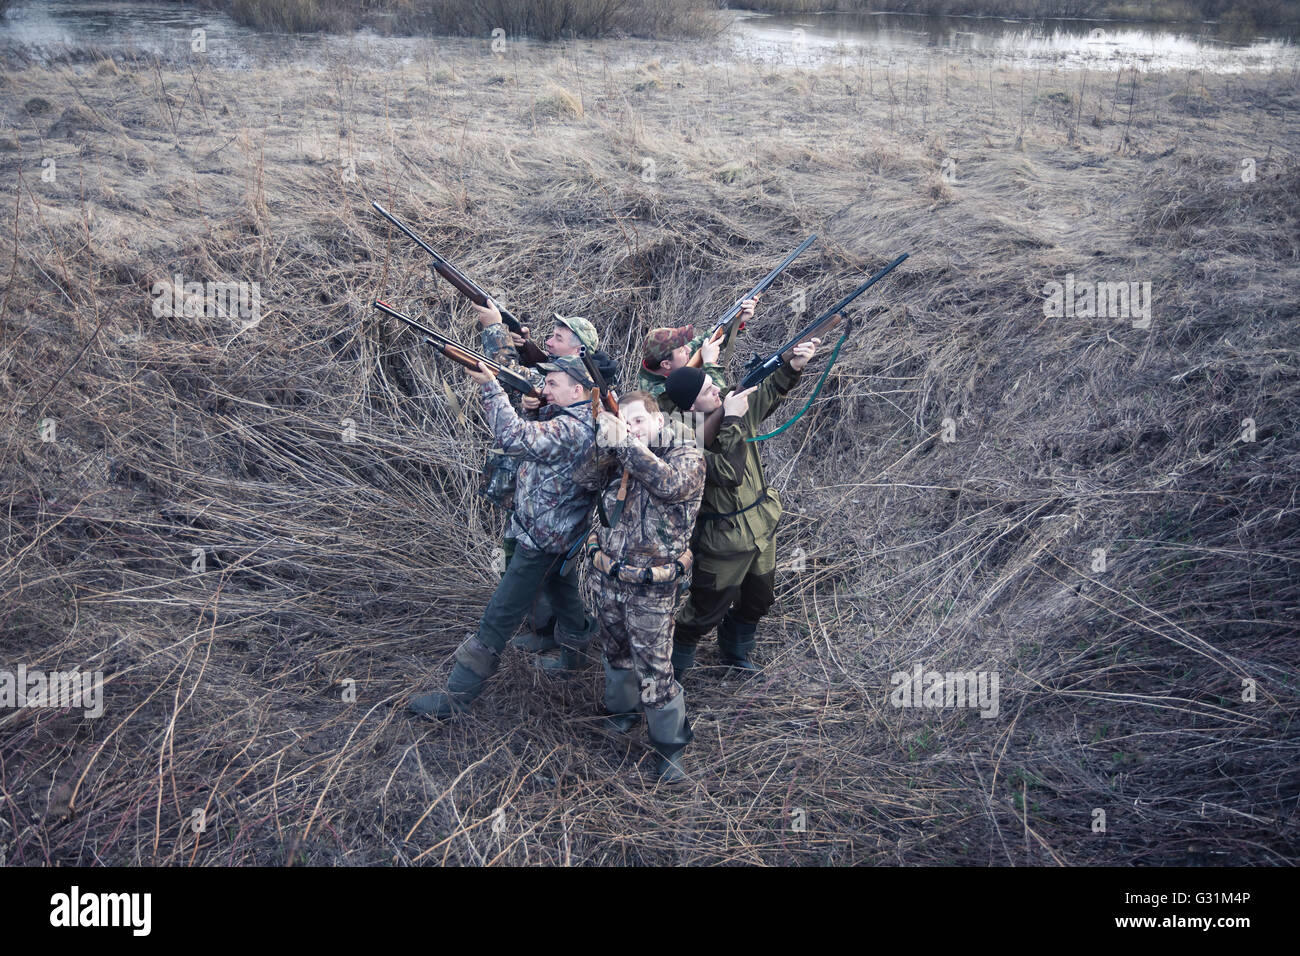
pixel 622 699
pixel 736 641
pixel 669 732
pixel 474 665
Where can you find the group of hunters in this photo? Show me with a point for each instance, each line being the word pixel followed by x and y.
pixel 685 537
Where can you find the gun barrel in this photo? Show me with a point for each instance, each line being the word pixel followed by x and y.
pixel 824 322
pixel 765 283
pixel 410 233
pixel 722 328
pixel 461 355
pixel 461 282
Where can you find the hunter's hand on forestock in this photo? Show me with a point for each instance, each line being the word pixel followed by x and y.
pixel 801 353
pixel 487 314
pixel 483 375
pixel 747 309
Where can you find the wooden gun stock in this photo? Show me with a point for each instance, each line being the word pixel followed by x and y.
pixel 697 357
pixel 463 356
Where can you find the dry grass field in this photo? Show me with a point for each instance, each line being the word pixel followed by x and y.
pixel 322 464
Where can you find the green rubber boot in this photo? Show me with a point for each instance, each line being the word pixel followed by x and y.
pixel 670 732
pixel 475 663
pixel 463 686
pixel 535 642
pixel 736 640
pixel 622 699
pixel 683 659
pixel 574 655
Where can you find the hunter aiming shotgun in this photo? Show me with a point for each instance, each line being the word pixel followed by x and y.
pixel 463 356
pixel 761 368
pixel 529 353
pixel 725 327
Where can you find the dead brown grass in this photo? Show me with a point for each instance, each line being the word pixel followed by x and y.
pixel 331 561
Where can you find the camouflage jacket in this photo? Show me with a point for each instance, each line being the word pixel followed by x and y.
pixel 654 383
pixel 550 508
pixel 497 346
pixel 727 524
pixel 663 496
pixel 500 470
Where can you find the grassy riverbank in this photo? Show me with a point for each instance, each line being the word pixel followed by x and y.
pixel 536 19
pixel 568 19
pixel 321 463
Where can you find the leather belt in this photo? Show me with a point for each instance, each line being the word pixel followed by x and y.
pixel 656 574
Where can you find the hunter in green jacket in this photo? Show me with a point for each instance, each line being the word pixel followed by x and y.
pixel 734 540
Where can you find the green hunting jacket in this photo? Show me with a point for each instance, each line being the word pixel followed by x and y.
pixel 734 477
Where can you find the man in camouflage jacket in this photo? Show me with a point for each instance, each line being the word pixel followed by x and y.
pixel 732 586
pixel 551 514
pixel 572 335
pixel 668 349
pixel 651 531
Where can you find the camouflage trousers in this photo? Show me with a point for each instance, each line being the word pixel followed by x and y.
pixel 636 625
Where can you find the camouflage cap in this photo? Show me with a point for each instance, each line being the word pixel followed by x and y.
pixel 583 329
pixel 570 365
pixel 660 343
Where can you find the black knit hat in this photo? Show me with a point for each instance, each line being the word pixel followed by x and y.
pixel 683 386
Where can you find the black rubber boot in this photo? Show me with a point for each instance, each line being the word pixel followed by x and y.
pixel 540 636
pixel 536 642
pixel 683 660
pixel 622 700
pixel 462 687
pixel 574 654
pixel 670 732
pixel 736 641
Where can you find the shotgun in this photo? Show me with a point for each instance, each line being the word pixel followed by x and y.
pixel 601 396
pixel 761 368
pixel 725 327
pixel 529 353
pixel 463 356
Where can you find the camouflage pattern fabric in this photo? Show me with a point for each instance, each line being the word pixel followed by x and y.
pixel 550 508
pixel 497 346
pixel 501 471
pixel 654 383
pixel 636 625
pixel 665 484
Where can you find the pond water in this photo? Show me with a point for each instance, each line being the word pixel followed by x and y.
pixel 38 31
pixel 1096 44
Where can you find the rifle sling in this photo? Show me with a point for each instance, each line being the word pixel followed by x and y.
pixel 811 398
pixel 714 515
